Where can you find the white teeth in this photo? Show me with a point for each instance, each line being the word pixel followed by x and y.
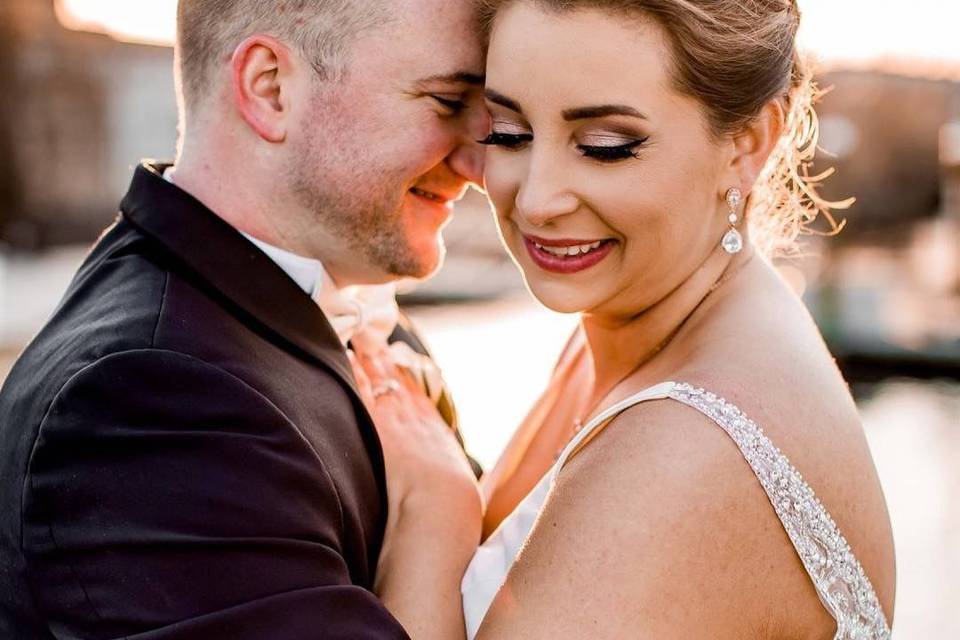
pixel 573 251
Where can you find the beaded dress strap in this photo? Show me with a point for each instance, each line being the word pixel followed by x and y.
pixel 840 580
pixel 656 392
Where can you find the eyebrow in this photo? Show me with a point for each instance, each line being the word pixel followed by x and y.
pixel 579 113
pixel 600 111
pixel 502 100
pixel 457 77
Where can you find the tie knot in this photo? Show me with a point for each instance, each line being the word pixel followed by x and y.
pixel 364 315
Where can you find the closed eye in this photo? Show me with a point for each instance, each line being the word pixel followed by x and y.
pixel 507 140
pixel 455 106
pixel 613 153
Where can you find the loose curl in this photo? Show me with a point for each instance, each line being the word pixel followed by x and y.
pixel 735 56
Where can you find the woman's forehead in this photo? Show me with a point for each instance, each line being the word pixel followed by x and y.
pixel 570 56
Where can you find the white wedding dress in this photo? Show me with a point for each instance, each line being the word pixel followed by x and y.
pixel 839 579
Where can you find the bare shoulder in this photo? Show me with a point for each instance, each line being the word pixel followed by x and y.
pixel 658 528
pixel 703 513
pixel 776 368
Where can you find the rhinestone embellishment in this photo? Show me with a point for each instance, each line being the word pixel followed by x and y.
pixel 734 196
pixel 733 242
pixel 839 578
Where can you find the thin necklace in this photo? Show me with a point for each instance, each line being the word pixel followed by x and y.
pixel 578 423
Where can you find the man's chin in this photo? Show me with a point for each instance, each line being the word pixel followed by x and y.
pixel 421 264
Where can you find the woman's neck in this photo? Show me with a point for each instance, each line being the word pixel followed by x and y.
pixel 619 345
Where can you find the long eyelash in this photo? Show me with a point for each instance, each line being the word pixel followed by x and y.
pixel 613 154
pixel 506 140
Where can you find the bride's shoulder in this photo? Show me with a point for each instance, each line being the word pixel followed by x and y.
pixel 678 521
pixel 677 480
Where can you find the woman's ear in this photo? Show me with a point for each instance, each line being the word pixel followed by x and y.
pixel 260 66
pixel 753 146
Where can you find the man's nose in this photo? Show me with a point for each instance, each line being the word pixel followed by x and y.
pixel 467 159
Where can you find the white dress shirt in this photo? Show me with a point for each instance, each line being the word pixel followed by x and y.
pixel 308 273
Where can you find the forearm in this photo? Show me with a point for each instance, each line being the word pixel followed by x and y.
pixel 421 567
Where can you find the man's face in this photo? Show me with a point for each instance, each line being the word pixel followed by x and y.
pixel 379 158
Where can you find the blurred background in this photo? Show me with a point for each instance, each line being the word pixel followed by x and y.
pixel 88 91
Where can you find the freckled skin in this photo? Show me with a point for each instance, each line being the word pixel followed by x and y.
pixel 662 207
pixel 658 528
pixel 325 166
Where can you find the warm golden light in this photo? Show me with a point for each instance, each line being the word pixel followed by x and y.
pixel 497 358
pixel 851 30
pixel 151 22
pixel 857 30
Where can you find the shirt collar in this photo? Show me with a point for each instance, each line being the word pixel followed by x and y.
pixel 308 273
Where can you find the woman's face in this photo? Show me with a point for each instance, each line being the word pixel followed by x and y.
pixel 607 184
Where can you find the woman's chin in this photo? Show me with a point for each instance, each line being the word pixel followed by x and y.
pixel 560 298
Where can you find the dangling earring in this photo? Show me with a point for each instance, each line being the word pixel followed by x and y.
pixel 733 241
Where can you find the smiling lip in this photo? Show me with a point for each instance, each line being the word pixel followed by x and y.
pixel 537 248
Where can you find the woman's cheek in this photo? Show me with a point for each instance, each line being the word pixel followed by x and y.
pixel 502 184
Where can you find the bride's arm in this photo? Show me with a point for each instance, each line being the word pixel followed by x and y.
pixel 424 557
pixel 434 507
pixel 655 530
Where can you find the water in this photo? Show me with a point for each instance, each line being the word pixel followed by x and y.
pixel 914 433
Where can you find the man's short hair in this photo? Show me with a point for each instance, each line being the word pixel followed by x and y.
pixel 208 31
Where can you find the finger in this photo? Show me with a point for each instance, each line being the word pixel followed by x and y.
pixel 364 385
pixel 366 364
pixel 377 366
pixel 356 365
pixel 374 372
pixel 408 378
pixel 385 377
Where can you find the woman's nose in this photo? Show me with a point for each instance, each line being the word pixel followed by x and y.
pixel 545 194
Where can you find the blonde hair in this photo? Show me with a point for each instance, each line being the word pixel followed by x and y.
pixel 209 30
pixel 735 56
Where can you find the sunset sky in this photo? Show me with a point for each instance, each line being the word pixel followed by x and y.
pixel 833 29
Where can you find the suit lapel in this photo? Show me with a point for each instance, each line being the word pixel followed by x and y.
pixel 237 270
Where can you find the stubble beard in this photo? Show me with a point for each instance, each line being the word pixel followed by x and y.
pixel 368 220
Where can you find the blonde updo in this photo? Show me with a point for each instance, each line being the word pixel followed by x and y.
pixel 735 56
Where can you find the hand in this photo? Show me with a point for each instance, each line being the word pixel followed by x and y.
pixel 435 509
pixel 425 464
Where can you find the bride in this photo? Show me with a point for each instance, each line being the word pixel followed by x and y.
pixel 696 466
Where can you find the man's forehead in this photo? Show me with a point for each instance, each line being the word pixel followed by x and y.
pixel 457 10
pixel 439 63
pixel 447 28
pixel 428 42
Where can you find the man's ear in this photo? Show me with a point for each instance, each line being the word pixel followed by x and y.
pixel 260 66
pixel 753 145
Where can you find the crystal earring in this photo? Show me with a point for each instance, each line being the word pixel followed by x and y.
pixel 733 241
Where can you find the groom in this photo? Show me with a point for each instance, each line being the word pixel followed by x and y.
pixel 183 454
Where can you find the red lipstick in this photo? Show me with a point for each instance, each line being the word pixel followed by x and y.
pixel 574 261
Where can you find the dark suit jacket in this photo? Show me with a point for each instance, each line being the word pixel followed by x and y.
pixel 183 454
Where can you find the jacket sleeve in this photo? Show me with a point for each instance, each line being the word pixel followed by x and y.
pixel 168 500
